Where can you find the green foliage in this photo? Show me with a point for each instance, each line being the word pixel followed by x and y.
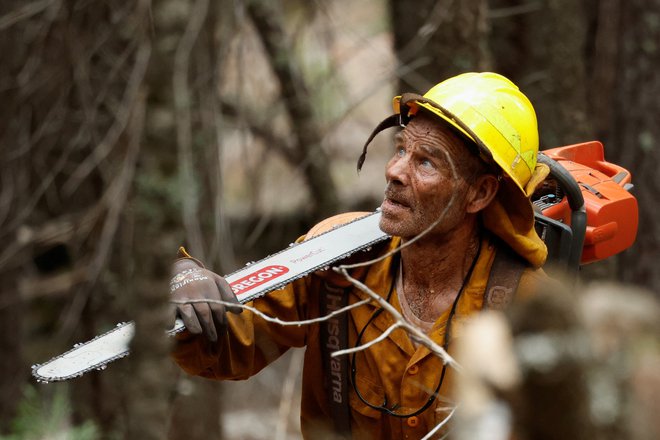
pixel 158 193
pixel 40 417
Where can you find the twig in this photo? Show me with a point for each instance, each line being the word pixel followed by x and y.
pixel 507 12
pixel 261 130
pixel 374 341
pixel 412 330
pixel 122 119
pixel 276 320
pixel 114 198
pixel 46 181
pixel 415 332
pixel 296 98
pixel 438 16
pixel 24 13
pixel 439 426
pixel 7 193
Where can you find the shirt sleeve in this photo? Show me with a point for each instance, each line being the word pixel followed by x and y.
pixel 251 343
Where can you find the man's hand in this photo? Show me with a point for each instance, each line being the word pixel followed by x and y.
pixel 193 282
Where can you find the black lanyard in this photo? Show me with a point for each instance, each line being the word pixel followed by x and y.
pixel 384 407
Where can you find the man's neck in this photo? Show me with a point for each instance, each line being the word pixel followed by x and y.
pixel 435 268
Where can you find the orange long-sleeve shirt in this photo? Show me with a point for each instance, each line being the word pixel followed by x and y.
pixel 394 369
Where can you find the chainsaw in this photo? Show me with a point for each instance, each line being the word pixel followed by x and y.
pixel 254 280
pixel 584 212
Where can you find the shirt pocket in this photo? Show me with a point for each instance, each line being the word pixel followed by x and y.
pixel 370 392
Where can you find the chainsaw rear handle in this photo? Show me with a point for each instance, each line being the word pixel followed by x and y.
pixel 575 200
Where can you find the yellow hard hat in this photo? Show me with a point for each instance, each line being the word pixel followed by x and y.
pixel 491 111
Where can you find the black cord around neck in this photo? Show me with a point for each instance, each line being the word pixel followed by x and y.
pixel 384 406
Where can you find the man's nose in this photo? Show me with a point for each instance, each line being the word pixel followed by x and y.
pixel 397 170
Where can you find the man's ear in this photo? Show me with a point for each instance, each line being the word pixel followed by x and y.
pixel 482 192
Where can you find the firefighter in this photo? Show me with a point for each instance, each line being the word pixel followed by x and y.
pixel 463 169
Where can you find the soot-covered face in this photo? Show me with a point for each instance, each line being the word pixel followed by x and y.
pixel 430 167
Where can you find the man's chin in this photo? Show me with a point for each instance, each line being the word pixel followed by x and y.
pixel 392 226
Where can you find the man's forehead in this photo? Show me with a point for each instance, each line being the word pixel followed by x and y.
pixel 433 149
pixel 438 136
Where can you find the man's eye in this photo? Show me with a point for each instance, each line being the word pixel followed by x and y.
pixel 426 163
pixel 400 152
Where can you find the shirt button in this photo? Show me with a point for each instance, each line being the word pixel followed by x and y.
pixel 413 370
pixel 412 421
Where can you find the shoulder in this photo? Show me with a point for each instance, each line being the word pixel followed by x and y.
pixel 333 222
pixel 534 280
pixel 534 276
pixel 512 273
pixel 372 252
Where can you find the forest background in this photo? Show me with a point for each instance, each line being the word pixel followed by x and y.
pixel 128 128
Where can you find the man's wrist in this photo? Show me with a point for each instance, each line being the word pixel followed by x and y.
pixel 186 263
pixel 183 254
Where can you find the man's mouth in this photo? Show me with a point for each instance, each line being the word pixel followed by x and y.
pixel 395 201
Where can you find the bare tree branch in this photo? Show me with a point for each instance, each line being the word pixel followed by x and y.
pixel 24 13
pixel 414 332
pixel 182 103
pixel 276 320
pixel 114 198
pixel 270 138
pixel 440 425
pixel 297 99
pixel 133 88
pixel 366 345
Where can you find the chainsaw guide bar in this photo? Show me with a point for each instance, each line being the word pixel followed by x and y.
pixel 250 282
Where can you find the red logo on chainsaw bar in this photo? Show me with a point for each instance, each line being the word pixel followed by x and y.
pixel 258 278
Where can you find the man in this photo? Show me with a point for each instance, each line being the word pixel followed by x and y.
pixel 463 168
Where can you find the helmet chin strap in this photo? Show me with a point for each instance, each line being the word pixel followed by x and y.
pixel 391 121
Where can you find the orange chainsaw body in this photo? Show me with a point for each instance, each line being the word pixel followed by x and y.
pixel 612 215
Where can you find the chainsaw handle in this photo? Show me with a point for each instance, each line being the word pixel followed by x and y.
pixel 575 202
pixel 566 180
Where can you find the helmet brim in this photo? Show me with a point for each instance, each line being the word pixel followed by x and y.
pixel 408 104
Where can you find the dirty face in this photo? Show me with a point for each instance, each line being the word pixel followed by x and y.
pixel 420 181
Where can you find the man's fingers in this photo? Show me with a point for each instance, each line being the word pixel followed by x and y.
pixel 189 318
pixel 227 294
pixel 219 317
pixel 204 317
pixel 206 320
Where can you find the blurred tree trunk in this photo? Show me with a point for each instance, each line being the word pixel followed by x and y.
pixel 12 368
pixel 634 134
pixel 549 40
pixel 89 221
pixel 60 199
pixel 434 40
pixel 182 150
pixel 149 383
pixel 13 199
